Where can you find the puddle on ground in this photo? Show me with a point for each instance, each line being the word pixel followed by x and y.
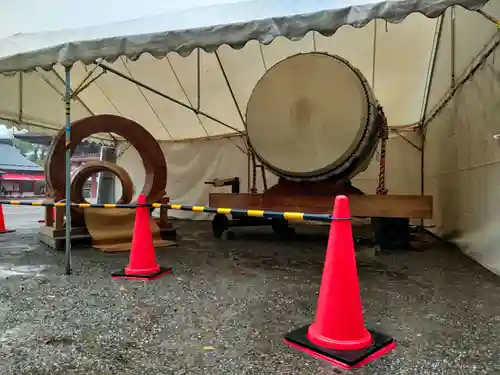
pixel 24 330
pixel 7 271
pixel 21 246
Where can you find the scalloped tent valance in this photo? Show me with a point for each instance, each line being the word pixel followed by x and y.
pixel 171 68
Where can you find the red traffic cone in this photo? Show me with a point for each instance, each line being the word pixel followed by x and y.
pixel 338 334
pixel 142 263
pixel 3 229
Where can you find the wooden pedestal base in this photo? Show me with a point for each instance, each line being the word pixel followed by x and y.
pixel 53 233
pixel 56 239
pixel 316 198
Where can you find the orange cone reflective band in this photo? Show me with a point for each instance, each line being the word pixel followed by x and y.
pixel 338 334
pixel 142 263
pixel 3 229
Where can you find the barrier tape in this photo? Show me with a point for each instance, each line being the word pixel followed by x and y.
pixel 296 216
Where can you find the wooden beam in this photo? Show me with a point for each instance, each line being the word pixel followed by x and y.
pixel 402 206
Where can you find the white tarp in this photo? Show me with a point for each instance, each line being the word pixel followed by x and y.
pixel 462 165
pixel 218 84
pixel 190 164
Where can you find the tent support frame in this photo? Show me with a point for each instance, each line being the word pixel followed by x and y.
pixel 489 17
pixel 251 155
pixel 21 95
pixel 398 133
pixel 430 78
pixel 198 80
pixel 67 115
pixel 229 87
pixel 75 96
pixel 144 96
pixel 84 84
pixel 165 96
pixel 474 66
pixel 198 86
pixel 453 47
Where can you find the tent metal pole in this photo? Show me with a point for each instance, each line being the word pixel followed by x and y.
pixel 21 97
pixel 374 53
pixel 233 96
pixel 479 61
pixel 432 70
pixel 453 48
pixel 489 17
pixel 416 147
pixel 228 84
pixel 430 78
pixel 84 84
pixel 67 115
pixel 73 95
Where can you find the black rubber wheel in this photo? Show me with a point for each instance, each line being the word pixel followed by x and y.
pixel 280 226
pixel 219 225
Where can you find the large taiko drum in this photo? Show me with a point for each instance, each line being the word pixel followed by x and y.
pixel 313 116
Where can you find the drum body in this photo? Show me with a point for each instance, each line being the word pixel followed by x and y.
pixel 311 117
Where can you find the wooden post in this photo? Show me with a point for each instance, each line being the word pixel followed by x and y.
pixel 49 216
pixel 59 218
pixel 164 223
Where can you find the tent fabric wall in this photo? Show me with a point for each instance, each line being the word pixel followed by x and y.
pixel 462 166
pixel 464 49
pixel 190 164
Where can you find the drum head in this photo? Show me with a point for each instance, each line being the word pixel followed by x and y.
pixel 308 114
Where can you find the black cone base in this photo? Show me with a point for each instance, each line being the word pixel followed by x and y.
pixel 347 359
pixel 122 275
pixel 7 231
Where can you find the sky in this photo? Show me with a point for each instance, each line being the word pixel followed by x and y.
pixel 28 16
pixel 61 13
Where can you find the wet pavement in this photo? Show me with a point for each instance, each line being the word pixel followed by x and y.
pixel 229 303
pixel 23 217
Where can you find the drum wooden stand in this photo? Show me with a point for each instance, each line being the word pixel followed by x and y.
pixel 155 165
pixel 53 232
pixel 315 198
pixel 313 120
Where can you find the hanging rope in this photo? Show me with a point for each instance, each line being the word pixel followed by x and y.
pixel 264 179
pixel 384 136
pixel 253 189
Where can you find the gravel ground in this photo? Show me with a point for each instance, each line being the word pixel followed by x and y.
pixel 229 303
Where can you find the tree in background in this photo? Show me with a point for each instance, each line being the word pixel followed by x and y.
pixel 35 153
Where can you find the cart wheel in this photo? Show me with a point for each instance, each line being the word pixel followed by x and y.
pixel 280 226
pixel 219 225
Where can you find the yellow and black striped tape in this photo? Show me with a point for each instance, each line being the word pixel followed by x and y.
pixel 296 216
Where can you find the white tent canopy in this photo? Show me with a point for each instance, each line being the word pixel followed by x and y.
pixel 209 57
